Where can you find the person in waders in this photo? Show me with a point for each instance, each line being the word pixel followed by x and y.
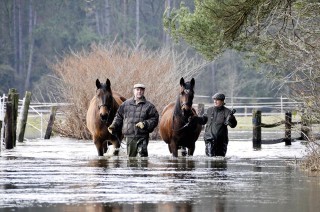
pixel 136 117
pixel 216 130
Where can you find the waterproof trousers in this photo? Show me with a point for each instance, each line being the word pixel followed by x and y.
pixel 215 148
pixel 137 146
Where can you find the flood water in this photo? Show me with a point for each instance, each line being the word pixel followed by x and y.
pixel 67 175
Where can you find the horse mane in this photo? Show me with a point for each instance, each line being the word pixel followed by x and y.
pixel 177 108
pixel 118 98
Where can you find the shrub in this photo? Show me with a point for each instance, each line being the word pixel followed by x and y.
pixel 159 70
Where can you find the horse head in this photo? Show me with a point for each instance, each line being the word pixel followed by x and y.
pixel 105 100
pixel 186 96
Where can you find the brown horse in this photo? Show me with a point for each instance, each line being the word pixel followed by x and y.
pixel 100 114
pixel 179 124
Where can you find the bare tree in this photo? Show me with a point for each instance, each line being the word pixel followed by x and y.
pixel 137 21
pixel 107 17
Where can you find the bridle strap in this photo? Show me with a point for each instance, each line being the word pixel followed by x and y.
pixel 181 128
pixel 110 109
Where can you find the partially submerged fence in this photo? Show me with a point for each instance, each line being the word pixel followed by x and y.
pixel 13 128
pixel 42 110
pixel 287 122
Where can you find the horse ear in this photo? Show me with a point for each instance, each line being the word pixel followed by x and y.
pixel 192 82
pixel 108 83
pixel 182 82
pixel 98 84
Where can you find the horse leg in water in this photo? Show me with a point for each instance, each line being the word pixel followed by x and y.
pixel 116 146
pixel 100 145
pixel 174 149
pixel 105 145
pixel 191 149
pixel 169 148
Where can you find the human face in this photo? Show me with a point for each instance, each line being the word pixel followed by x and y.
pixel 138 93
pixel 217 103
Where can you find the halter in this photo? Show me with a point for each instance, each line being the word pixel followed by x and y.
pixel 109 109
pixel 182 116
pixel 186 91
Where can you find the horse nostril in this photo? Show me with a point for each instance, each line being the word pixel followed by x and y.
pixel 103 117
pixel 186 108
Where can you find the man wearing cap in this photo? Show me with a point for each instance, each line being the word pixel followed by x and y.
pixel 136 117
pixel 216 131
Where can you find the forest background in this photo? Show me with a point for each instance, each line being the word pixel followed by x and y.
pixel 37 34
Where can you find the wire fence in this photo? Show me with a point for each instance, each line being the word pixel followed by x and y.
pixel 246 105
pixel 39 111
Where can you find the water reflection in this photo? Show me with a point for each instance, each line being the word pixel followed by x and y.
pixel 64 178
pixel 136 162
pixel 183 163
pixel 107 207
pixel 216 164
pixel 106 163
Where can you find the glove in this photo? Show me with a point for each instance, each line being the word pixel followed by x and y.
pixel 230 116
pixel 140 125
pixel 203 120
pixel 227 122
pixel 110 129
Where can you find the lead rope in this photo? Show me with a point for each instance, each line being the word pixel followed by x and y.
pixel 181 128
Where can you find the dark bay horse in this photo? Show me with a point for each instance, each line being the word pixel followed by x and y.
pixel 100 114
pixel 179 124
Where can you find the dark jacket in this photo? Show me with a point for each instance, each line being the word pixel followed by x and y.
pixel 217 126
pixel 130 113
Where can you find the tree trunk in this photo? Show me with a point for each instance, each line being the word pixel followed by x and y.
pixel 15 36
pixel 32 23
pixel 137 21
pixel 98 28
pixel 125 20
pixel 20 45
pixel 213 77
pixel 107 17
pixel 233 75
pixel 167 6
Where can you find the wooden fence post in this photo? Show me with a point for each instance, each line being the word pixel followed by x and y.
pixel 288 124
pixel 13 96
pixel 0 134
pixel 24 116
pixel 51 121
pixel 256 122
pixel 9 125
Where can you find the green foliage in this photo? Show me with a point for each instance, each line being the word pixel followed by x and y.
pixel 199 29
pixel 216 25
pixel 86 37
pixel 278 35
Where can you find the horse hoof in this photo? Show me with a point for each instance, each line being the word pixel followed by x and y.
pixel 116 151
pixel 182 152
